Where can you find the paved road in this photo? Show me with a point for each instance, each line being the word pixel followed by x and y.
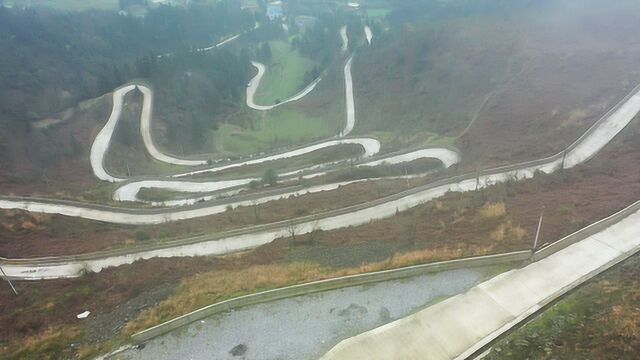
pixel 103 139
pixel 147 138
pixel 462 325
pixel 255 82
pixel 368 34
pixel 597 137
pixel 307 326
pixel 585 147
pixel 130 191
pixel 370 146
pixel 447 156
pixel 349 100
pixel 345 39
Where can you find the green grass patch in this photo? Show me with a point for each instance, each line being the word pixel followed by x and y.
pixel 153 194
pixel 280 127
pixel 285 75
pixel 442 140
pixel 597 321
pixel 378 12
pixel 330 154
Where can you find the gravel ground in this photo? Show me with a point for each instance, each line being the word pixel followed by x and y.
pixel 306 327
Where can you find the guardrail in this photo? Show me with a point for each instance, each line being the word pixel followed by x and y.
pixel 585 232
pixel 324 285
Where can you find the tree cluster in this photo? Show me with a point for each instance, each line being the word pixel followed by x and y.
pixel 51 60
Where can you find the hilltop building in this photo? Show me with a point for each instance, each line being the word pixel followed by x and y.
pixel 274 10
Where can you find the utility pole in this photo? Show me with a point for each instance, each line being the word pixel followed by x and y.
pixel 9 281
pixel 535 241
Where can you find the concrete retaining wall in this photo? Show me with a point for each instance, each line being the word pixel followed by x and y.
pixel 324 285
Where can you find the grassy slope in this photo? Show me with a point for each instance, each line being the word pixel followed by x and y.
pixel 546 73
pixel 316 116
pixel 378 12
pixel 285 75
pixel 456 226
pixel 599 321
pixel 133 152
pixel 279 126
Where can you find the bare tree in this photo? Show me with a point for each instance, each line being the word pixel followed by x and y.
pixel 315 232
pixel 292 229
pixel 256 212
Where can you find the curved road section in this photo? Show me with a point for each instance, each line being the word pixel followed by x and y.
pixel 145 130
pixel 129 191
pixel 350 102
pixel 368 34
pixel 345 39
pixel 103 139
pixel 255 82
pixel 371 147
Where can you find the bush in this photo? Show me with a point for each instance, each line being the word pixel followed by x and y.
pixel 270 177
pixel 141 235
pixel 254 184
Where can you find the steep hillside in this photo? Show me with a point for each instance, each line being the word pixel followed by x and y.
pixel 532 77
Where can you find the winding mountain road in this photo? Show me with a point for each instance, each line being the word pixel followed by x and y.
pixel 368 34
pixel 255 82
pixel 583 149
pixel 588 145
pixel 349 100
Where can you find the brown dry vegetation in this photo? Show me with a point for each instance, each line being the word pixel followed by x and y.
pixel 216 286
pixel 552 71
pixel 25 233
pixel 454 226
pixel 41 305
pixel 571 200
pixel 530 117
pixel 32 234
pixel 54 160
pixel 56 234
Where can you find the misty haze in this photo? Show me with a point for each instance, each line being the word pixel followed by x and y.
pixel 319 179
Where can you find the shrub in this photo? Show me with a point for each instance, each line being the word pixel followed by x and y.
pixel 141 235
pixel 270 177
pixel 254 184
